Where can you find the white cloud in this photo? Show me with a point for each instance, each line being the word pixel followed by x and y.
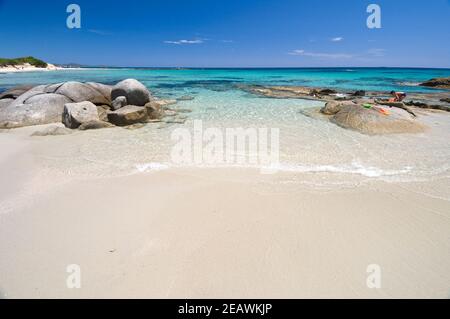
pixel 377 52
pixel 322 55
pixel 337 39
pixel 180 42
pixel 99 32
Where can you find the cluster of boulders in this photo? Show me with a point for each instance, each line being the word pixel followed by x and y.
pixel 82 105
pixel 303 92
pixel 367 112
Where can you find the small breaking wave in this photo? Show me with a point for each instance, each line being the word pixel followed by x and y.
pixel 408 83
pixel 354 168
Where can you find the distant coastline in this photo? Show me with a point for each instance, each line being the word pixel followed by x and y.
pixel 30 68
pixel 26 64
pixel 249 68
pixel 26 67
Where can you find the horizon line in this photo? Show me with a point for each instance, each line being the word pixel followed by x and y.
pixel 253 67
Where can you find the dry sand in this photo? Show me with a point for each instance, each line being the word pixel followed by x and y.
pixel 228 233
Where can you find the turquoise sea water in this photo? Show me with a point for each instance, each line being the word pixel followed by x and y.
pixel 173 81
pixel 312 151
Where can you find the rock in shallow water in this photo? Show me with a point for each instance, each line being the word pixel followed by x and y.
pixel 332 107
pixel 439 83
pixel 76 114
pixel 359 93
pixel 373 121
pixel 44 104
pixel 156 109
pixel 135 92
pixel 130 114
pixel 185 98
pixel 53 130
pixel 94 125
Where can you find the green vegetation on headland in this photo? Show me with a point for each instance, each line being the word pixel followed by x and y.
pixel 18 61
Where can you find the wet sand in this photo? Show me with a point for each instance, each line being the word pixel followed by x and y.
pixel 215 233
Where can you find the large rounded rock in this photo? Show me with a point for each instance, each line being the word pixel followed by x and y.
pixel 44 104
pixel 76 114
pixel 51 88
pixel 38 109
pixel 80 92
pixel 332 107
pixel 373 121
pixel 128 115
pixel 104 89
pixel 15 92
pixel 135 92
pixel 5 102
pixel 22 99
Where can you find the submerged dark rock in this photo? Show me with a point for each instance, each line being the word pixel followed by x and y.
pixel 439 83
pixel 427 105
pixel 53 130
pixel 359 93
pixel 185 98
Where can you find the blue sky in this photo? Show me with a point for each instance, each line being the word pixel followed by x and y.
pixel 231 33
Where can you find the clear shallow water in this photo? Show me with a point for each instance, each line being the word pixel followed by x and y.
pixel 312 151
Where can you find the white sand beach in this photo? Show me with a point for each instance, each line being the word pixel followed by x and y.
pixel 224 150
pixel 212 233
pixel 31 68
pixel 27 68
